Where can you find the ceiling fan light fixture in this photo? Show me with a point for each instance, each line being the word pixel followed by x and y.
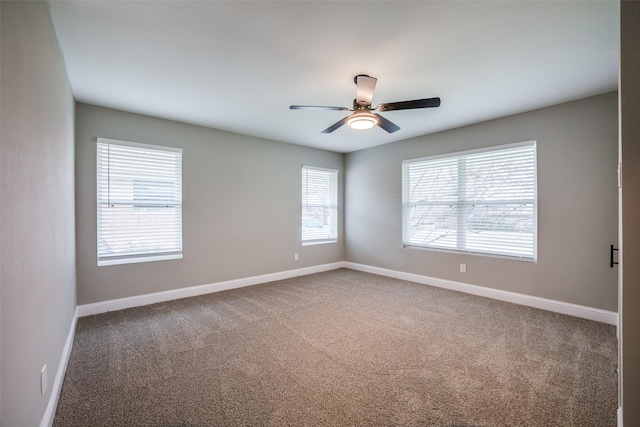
pixel 362 117
pixel 362 120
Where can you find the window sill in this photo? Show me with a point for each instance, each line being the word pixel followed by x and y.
pixel 133 260
pixel 462 252
pixel 318 242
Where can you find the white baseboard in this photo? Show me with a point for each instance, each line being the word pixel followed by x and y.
pixel 575 310
pixel 140 300
pixel 50 412
pixel 619 416
pixel 595 314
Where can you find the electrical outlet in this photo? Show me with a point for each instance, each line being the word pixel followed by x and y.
pixel 43 379
pixel 296 257
pixel 463 268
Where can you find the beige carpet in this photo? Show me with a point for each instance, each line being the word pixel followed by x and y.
pixel 341 348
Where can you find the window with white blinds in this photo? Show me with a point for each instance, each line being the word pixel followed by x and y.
pixel 319 205
pixel 139 195
pixel 481 201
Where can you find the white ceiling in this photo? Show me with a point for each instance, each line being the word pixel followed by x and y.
pixel 238 65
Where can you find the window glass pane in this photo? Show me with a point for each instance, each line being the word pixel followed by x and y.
pixel 432 225
pixel 431 181
pixel 505 175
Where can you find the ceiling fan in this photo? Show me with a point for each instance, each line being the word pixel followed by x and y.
pixel 362 117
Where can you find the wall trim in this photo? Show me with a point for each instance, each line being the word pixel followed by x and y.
pixel 56 389
pixel 619 416
pixel 595 314
pixel 598 315
pixel 192 291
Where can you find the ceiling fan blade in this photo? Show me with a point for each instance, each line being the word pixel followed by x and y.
pixel 335 125
pixel 317 107
pixel 364 88
pixel 387 125
pixel 409 105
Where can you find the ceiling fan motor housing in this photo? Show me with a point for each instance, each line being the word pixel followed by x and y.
pixel 355 78
pixel 360 105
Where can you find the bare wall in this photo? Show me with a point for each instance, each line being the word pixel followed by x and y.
pixel 37 264
pixel 577 204
pixel 241 206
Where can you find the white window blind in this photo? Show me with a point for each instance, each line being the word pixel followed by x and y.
pixel 139 195
pixel 481 201
pixel 319 205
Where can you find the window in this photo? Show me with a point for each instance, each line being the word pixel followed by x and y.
pixel 319 205
pixel 139 194
pixel 481 201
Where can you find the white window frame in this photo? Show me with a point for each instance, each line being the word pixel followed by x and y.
pixel 147 214
pixel 320 209
pixel 445 208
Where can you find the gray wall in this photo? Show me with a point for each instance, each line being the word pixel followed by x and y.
pixel 37 268
pixel 577 204
pixel 241 206
pixel 630 201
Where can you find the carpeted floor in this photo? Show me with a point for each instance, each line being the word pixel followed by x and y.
pixel 341 348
